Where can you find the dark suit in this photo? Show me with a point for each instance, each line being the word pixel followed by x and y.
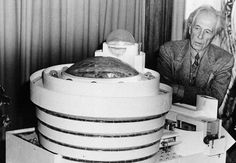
pixel 213 76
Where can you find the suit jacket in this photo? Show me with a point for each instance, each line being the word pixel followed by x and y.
pixel 213 77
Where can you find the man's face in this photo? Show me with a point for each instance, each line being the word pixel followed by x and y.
pixel 202 31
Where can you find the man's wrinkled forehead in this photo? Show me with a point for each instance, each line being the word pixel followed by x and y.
pixel 204 15
pixel 206 20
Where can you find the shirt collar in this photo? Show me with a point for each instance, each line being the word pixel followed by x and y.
pixel 193 52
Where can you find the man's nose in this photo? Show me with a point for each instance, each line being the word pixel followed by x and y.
pixel 201 34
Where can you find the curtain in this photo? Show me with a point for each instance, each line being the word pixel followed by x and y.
pixel 178 20
pixel 35 34
pixel 158 23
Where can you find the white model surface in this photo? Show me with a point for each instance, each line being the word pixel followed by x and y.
pixel 127 52
pixel 22 147
pixel 117 87
pixel 198 127
pixel 104 120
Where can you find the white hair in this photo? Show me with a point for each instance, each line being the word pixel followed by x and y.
pixel 220 18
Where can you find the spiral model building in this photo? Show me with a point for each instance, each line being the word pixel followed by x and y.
pixel 100 120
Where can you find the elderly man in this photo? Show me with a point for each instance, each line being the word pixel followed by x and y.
pixel 195 66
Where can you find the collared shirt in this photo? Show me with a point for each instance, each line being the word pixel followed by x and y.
pixel 193 53
pixel 194 69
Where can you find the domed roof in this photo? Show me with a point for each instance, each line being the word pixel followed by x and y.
pixel 120 35
pixel 101 67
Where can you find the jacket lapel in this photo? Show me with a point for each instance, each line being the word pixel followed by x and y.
pixel 182 66
pixel 182 63
pixel 205 69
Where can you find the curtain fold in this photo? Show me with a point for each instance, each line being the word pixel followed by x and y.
pixel 41 33
pixel 158 21
pixel 178 20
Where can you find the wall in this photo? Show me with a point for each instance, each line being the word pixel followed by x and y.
pixel 192 5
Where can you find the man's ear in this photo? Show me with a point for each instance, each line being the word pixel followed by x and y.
pixel 190 29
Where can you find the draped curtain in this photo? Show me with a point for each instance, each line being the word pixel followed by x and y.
pixel 178 20
pixel 158 23
pixel 35 34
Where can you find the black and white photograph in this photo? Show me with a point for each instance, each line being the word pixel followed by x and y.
pixel 117 81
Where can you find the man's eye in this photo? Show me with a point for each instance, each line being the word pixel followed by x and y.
pixel 196 28
pixel 208 32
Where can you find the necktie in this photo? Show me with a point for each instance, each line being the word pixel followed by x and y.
pixel 194 69
pixel 195 63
